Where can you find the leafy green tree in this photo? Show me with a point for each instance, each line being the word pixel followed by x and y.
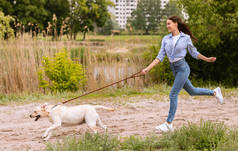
pixel 146 16
pixel 106 29
pixel 172 9
pixel 5 29
pixel 37 12
pixel 26 11
pixel 61 9
pixel 109 25
pixel 86 14
pixel 215 24
pixel 115 25
pixel 162 27
pixel 6 6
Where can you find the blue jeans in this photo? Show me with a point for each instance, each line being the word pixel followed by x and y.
pixel 181 73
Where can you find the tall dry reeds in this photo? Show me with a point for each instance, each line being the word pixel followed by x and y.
pixel 21 58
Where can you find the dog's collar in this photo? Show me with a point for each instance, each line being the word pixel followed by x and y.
pixel 54 106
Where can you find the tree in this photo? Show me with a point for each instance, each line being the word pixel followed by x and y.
pixel 172 9
pixel 146 16
pixel 26 11
pixel 215 24
pixel 115 25
pixel 5 29
pixel 61 9
pixel 109 25
pixel 86 14
pixel 6 6
pixel 36 12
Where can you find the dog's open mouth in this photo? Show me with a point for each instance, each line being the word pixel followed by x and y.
pixel 37 117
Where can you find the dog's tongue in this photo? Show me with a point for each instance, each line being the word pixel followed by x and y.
pixel 37 117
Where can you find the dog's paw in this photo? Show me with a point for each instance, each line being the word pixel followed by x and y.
pixel 45 135
pixel 45 139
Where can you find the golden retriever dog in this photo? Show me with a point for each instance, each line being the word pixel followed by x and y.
pixel 60 115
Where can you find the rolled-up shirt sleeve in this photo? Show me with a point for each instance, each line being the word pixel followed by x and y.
pixel 192 49
pixel 161 53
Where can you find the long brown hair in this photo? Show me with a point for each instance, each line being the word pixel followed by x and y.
pixel 182 26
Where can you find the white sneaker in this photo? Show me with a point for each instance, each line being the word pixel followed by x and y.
pixel 218 95
pixel 165 127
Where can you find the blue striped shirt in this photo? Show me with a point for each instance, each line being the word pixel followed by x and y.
pixel 183 44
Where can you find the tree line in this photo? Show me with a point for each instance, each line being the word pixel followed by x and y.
pixel 215 24
pixel 56 17
pixel 59 17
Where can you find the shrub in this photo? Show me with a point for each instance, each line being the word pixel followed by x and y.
pixel 205 136
pixel 61 74
pixel 161 72
pixel 6 30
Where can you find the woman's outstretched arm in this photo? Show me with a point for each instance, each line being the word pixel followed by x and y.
pixel 207 59
pixel 147 69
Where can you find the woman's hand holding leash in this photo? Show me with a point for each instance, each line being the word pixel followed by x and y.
pixel 147 69
pixel 144 71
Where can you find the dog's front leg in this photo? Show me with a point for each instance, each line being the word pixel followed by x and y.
pixel 48 132
pixel 56 123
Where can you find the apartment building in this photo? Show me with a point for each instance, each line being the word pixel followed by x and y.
pixel 124 8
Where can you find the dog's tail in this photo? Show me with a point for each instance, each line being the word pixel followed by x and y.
pixel 103 107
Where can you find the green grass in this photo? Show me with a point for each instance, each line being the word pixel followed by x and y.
pixel 207 136
pixel 87 142
pixel 102 94
pixel 124 92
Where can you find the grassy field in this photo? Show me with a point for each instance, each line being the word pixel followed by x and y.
pixel 124 93
pixel 203 137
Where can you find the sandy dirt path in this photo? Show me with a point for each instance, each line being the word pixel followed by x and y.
pixel 138 116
